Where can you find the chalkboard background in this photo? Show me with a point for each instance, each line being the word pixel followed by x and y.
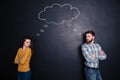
pixel 57 35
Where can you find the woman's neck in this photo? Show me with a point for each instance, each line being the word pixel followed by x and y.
pixel 24 48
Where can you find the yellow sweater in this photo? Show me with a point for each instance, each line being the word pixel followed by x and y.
pixel 23 59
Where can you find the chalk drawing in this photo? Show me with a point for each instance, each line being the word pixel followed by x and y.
pixel 69 24
pixel 42 30
pixel 45 26
pixel 38 34
pixel 59 14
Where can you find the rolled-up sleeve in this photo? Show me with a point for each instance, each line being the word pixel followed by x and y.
pixel 87 55
pixel 102 56
pixel 16 60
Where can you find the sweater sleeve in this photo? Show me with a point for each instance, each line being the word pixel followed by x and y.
pixel 16 57
pixel 26 56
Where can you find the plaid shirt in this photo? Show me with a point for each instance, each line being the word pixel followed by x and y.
pixel 87 50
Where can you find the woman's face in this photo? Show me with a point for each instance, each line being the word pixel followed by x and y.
pixel 27 43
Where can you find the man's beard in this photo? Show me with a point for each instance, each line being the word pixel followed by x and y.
pixel 90 41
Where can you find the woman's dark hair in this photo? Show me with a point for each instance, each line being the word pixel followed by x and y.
pixel 27 37
pixel 30 38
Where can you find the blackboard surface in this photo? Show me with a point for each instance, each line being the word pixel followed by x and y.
pixel 57 27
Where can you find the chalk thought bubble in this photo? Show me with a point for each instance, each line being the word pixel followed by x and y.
pixel 59 14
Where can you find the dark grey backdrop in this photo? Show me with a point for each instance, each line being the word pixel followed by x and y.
pixel 57 53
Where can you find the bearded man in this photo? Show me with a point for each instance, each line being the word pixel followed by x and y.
pixel 92 53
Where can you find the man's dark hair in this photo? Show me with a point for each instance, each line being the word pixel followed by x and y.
pixel 87 32
pixel 90 32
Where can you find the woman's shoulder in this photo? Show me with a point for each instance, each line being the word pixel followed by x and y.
pixel 20 48
pixel 29 49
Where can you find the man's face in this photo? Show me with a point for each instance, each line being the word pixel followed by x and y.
pixel 89 38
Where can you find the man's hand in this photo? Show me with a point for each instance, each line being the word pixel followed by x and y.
pixel 93 55
pixel 102 52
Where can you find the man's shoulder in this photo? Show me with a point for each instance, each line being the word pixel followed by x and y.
pixel 97 44
pixel 84 44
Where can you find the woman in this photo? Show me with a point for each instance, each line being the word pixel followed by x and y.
pixel 23 59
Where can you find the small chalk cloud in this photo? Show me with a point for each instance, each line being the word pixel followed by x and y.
pixel 59 14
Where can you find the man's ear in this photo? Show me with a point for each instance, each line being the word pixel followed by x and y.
pixel 93 37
